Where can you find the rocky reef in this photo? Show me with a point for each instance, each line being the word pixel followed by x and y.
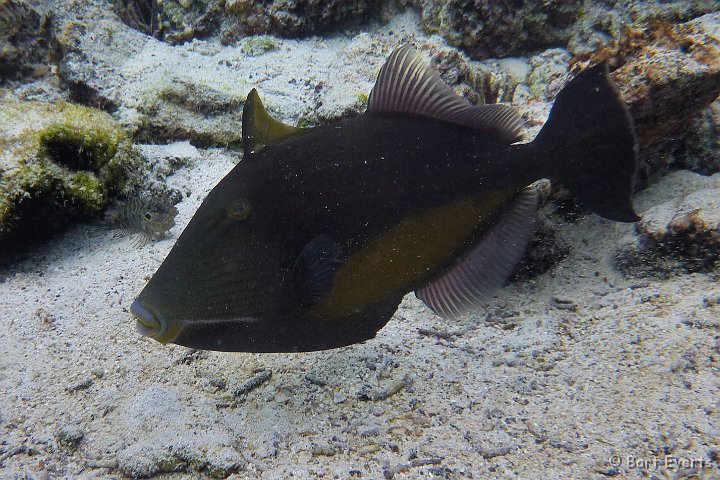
pixel 59 162
pixel 482 29
pixel 604 20
pixel 24 40
pixel 177 21
pixel 294 17
pixel 698 150
pixel 679 235
pixel 479 82
pixel 667 73
pixel 496 29
pixel 179 109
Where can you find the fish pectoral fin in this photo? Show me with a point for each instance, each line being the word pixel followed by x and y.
pixel 407 85
pixel 259 128
pixel 485 268
pixel 313 273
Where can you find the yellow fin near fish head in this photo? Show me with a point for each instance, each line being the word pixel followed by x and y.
pixel 259 128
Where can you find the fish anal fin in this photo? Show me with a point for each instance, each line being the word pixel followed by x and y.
pixel 473 277
pixel 407 85
pixel 314 271
pixel 259 128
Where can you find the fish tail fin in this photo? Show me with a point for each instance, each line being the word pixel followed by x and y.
pixel 590 141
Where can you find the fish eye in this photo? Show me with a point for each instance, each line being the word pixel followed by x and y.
pixel 239 209
pixel 147 216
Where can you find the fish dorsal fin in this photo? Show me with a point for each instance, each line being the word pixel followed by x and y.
pixel 259 128
pixel 472 278
pixel 406 84
pixel 314 271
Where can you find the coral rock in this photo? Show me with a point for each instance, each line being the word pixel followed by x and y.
pixel 699 151
pixel 667 73
pixel 497 29
pixel 182 20
pixel 600 21
pixel 678 235
pixel 478 82
pixel 58 162
pixel 695 218
pixel 23 39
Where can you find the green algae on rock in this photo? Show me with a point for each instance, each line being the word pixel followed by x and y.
pixel 181 20
pixel 70 142
pixel 255 45
pixel 59 162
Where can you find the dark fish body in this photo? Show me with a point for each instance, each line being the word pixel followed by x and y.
pixel 354 189
pixel 313 239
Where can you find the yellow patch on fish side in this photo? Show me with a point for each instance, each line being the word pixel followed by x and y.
pixel 400 257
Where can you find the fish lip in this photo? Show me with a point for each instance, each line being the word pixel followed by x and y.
pixel 149 323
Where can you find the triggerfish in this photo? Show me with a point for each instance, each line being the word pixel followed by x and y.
pixel 313 239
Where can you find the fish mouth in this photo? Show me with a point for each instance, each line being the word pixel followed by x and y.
pixel 149 322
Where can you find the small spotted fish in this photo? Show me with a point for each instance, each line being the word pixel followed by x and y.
pixel 144 218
